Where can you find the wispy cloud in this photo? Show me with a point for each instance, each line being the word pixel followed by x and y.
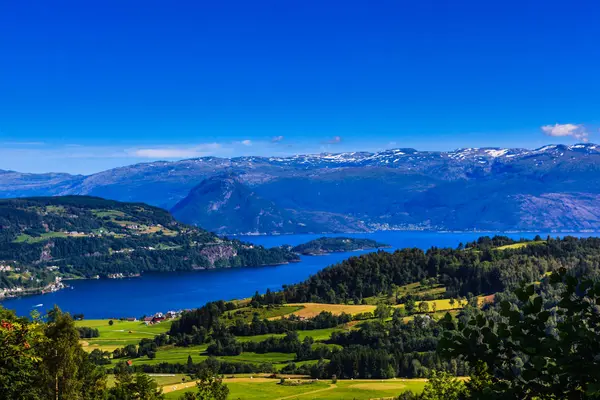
pixel 23 143
pixel 334 140
pixel 247 142
pixel 578 131
pixel 277 139
pixel 176 152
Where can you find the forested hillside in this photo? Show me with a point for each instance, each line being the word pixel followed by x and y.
pixel 487 266
pixel 520 319
pixel 336 244
pixel 527 332
pixel 45 240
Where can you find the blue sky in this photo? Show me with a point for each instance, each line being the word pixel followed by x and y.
pixel 89 85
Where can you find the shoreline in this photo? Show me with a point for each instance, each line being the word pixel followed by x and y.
pixel 223 270
pixel 40 290
pixel 263 234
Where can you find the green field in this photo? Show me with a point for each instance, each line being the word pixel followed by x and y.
pixel 520 245
pixel 160 379
pixel 121 333
pixel 316 334
pixel 270 389
pixel 246 314
pixel 413 289
pixel 173 355
pixel 24 238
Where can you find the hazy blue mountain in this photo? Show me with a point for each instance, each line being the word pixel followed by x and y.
pixel 553 187
pixel 224 204
pixel 17 184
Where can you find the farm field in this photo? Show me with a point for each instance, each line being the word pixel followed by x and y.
pixel 246 314
pixel 160 379
pixel 270 389
pixel 316 334
pixel 414 289
pixel 520 245
pixel 179 355
pixel 172 355
pixel 120 334
pixel 309 310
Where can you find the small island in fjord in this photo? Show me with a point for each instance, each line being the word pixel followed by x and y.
pixel 326 245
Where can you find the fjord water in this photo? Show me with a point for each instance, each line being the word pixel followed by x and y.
pixel 154 292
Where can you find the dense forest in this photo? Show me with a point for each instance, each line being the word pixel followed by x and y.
pixel 42 239
pixel 481 267
pixel 336 244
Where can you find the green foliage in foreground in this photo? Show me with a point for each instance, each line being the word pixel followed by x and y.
pixel 42 360
pixel 540 350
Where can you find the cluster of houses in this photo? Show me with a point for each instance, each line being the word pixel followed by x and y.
pixel 54 287
pixel 5 268
pixel 10 292
pixel 158 317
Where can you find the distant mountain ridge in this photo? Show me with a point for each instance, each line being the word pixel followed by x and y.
pixel 555 187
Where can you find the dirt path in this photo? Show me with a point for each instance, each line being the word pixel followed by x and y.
pixel 190 384
pixel 331 387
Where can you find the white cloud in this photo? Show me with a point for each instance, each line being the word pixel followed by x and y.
pixel 577 131
pixel 247 142
pixel 176 152
pixel 277 139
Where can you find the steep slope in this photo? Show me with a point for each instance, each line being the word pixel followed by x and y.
pixel 224 204
pixel 43 240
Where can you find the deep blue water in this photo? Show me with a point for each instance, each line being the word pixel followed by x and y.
pixel 113 298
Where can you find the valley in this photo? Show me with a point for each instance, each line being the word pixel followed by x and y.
pixel 280 345
pixel 103 298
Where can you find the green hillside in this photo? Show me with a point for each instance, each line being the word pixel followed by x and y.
pixel 337 244
pixel 47 239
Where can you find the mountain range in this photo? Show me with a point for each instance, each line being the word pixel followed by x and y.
pixel 555 187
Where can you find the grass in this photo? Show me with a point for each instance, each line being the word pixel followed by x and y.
pixel 179 355
pixel 24 238
pixel 520 245
pixel 413 289
pixel 108 213
pixel 256 358
pixel 120 334
pixel 246 314
pixel 160 379
pixel 316 334
pixel 270 389
pixel 309 310
pixel 173 355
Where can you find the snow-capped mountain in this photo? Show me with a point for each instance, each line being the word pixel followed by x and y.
pixel 553 187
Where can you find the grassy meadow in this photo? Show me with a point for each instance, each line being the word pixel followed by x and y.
pixel 120 334
pixel 270 389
